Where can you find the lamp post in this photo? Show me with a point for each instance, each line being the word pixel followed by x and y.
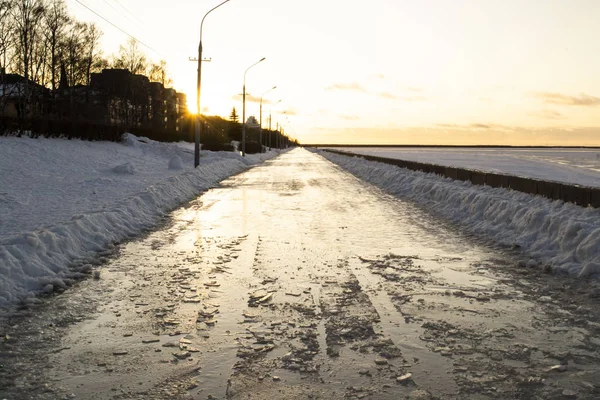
pixel 261 99
pixel 270 118
pixel 197 127
pixel 244 108
pixel 280 136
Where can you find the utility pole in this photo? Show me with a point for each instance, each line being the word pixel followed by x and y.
pixel 261 101
pixel 270 133
pixel 270 118
pixel 244 108
pixel 198 85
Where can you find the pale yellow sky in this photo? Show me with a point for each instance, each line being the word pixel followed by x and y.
pixel 384 71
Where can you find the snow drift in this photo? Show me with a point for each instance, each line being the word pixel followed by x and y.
pixel 560 235
pixel 568 165
pixel 63 203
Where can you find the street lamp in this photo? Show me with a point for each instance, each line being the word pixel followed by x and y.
pixel 280 135
pixel 261 99
pixel 244 108
pixel 270 118
pixel 197 134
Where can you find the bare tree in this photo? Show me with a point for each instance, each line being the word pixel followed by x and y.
pixel 56 21
pixel 158 73
pixel 131 57
pixel 27 15
pixel 74 54
pixel 98 64
pixel 39 59
pixel 6 31
pixel 93 53
pixel 80 52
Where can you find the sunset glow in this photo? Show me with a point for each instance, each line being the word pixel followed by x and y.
pixel 384 71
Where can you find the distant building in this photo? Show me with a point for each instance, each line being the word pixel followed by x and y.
pixel 21 98
pixel 115 98
pixel 135 101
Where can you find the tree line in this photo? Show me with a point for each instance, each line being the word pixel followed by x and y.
pixel 218 134
pixel 46 46
pixel 40 41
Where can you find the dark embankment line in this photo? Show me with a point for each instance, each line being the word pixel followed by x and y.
pixel 452 146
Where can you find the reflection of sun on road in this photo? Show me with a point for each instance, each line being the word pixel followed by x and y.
pixel 297 280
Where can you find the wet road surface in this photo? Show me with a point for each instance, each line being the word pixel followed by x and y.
pixel 296 280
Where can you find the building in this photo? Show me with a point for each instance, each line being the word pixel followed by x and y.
pixel 21 98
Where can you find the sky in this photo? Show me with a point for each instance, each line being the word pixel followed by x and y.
pixel 383 71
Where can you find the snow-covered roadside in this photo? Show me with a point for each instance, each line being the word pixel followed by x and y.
pixel 573 165
pixel 63 203
pixel 560 235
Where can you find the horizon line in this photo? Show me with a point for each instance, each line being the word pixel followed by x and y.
pixel 453 146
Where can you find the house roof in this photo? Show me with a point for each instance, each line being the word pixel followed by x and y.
pixel 13 85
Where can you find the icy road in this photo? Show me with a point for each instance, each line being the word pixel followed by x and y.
pixel 296 280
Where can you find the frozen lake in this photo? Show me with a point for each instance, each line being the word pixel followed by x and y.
pixel 577 166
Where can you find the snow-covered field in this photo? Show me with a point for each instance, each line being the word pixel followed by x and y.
pixel 576 166
pixel 562 236
pixel 64 202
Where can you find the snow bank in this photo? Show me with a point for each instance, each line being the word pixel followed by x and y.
pixel 86 196
pixel 570 165
pixel 560 235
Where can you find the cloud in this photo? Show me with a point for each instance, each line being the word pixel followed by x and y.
pixel 354 86
pixel 387 95
pixel 249 98
pixel 415 89
pixel 480 126
pixel 414 98
pixel 289 111
pixel 447 125
pixel 346 86
pixel 548 114
pixel 452 134
pixel 350 117
pixel 475 126
pixel 561 99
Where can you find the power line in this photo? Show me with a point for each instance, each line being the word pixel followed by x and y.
pixel 130 13
pixel 110 5
pixel 121 14
pixel 114 25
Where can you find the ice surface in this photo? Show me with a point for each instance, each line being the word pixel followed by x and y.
pixel 576 166
pixel 63 201
pixel 563 236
